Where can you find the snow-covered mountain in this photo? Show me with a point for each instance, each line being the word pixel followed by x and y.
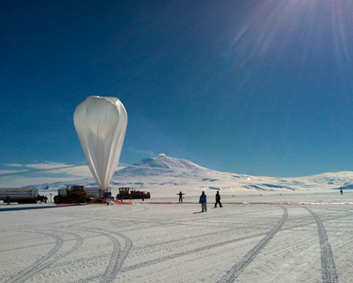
pixel 161 165
pixel 164 175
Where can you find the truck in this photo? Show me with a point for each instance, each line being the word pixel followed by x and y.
pixel 127 193
pixel 73 194
pixel 20 195
pixel 81 194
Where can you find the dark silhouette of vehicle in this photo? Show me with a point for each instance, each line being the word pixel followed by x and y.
pixel 73 194
pixel 127 193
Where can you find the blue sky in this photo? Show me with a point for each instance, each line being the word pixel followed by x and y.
pixel 253 87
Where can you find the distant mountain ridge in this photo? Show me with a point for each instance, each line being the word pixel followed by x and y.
pixel 164 175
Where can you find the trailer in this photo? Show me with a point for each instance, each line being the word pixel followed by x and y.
pixel 19 195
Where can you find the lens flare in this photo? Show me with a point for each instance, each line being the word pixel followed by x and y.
pixel 297 29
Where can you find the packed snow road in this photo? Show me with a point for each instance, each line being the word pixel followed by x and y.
pixel 176 243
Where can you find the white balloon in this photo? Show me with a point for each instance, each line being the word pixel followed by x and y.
pixel 101 123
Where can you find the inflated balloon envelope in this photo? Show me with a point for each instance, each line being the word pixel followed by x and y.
pixel 101 123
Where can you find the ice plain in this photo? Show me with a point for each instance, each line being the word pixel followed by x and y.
pixel 146 242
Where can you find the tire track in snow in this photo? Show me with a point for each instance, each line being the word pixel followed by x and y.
pixel 189 238
pixel 117 257
pixel 39 266
pixel 238 268
pixel 185 253
pixel 44 244
pixel 111 269
pixel 107 276
pixel 293 264
pixel 170 257
pixel 79 242
pixel 110 274
pixel 329 273
pixel 189 252
pixel 27 272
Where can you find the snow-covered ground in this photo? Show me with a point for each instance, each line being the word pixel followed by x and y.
pixel 175 243
pixel 270 241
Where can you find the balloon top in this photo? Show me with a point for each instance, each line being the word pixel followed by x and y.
pixel 111 99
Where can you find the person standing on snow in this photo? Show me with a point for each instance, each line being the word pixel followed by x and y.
pixel 341 191
pixel 180 196
pixel 218 200
pixel 203 201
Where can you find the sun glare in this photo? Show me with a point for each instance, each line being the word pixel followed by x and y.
pixel 279 28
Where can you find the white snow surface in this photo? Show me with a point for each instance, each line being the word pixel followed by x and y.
pixel 274 240
pixel 147 242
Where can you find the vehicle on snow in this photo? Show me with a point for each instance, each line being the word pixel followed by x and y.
pixel 81 194
pixel 127 193
pixel 73 194
pixel 20 195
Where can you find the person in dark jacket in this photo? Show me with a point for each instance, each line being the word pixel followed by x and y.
pixel 341 191
pixel 203 201
pixel 180 196
pixel 218 200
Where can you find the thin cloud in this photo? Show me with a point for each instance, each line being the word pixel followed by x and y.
pixel 46 165
pixel 7 171
pixel 79 171
pixel 24 181
pixel 52 176
pixel 82 171
pixel 13 165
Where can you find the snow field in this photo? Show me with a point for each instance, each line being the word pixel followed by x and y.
pixel 176 243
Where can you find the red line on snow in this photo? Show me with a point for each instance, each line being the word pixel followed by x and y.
pixel 289 203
